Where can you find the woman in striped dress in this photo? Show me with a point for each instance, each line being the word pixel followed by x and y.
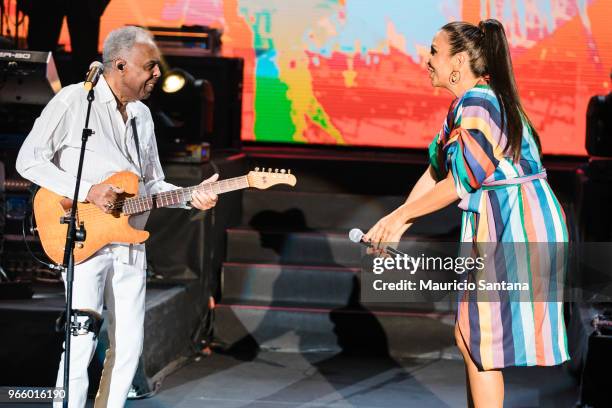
pixel 488 156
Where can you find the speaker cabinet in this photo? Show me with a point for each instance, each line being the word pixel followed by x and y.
pixel 599 126
pixel 226 77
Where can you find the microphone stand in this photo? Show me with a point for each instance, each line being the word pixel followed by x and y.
pixel 73 235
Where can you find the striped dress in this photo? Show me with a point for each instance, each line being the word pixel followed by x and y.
pixel 503 202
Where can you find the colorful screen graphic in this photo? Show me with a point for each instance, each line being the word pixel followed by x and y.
pixel 353 71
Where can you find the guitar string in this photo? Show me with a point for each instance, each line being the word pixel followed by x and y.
pixel 96 214
pixel 139 201
pixel 136 207
pixel 146 200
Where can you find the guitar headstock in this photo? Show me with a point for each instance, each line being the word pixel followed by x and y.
pixel 263 178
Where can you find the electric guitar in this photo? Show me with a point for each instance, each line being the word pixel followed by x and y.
pixel 105 228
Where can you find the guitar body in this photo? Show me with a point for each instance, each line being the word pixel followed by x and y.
pixel 101 228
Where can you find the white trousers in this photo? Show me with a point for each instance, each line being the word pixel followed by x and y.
pixel 115 276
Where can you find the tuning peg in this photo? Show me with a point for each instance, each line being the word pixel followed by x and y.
pixel 276 170
pixel 283 171
pixel 256 168
pixel 269 169
pixel 289 171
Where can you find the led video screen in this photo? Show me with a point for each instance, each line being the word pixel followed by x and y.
pixel 353 72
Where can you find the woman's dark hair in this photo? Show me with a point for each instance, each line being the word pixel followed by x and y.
pixel 489 55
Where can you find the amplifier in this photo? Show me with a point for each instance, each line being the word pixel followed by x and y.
pixel 187 40
pixel 225 76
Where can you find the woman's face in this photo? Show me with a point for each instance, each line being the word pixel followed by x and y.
pixel 439 63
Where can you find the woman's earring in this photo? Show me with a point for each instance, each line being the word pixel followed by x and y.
pixel 455 77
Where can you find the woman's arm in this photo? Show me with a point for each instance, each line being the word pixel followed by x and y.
pixel 423 186
pixel 441 195
pixel 425 183
pixel 391 227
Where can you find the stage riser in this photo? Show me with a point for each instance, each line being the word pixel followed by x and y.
pixel 243 327
pixel 308 286
pixel 324 211
pixel 30 348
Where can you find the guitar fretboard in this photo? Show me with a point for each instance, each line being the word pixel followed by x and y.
pixel 179 196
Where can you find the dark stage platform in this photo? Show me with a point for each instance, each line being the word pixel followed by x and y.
pixel 30 348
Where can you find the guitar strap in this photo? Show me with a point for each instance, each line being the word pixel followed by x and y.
pixel 135 133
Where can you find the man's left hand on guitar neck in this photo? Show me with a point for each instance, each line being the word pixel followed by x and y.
pixel 203 200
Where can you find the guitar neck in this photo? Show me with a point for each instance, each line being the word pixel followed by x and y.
pixel 180 196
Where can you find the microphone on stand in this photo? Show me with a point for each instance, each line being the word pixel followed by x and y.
pixel 95 69
pixel 356 235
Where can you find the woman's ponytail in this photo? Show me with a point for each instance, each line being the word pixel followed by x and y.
pixel 498 68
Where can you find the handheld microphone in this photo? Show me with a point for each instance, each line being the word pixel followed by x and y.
pixel 356 235
pixel 95 69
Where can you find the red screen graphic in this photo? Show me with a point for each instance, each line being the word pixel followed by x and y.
pixel 310 79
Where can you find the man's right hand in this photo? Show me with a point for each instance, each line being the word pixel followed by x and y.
pixel 104 196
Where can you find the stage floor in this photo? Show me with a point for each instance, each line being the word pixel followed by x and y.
pixel 286 380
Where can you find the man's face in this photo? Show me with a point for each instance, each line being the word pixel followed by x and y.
pixel 141 71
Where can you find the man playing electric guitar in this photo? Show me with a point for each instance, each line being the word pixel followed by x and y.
pixel 114 275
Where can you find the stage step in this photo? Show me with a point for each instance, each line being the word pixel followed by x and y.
pixel 291 278
pixel 244 327
pixel 300 247
pixel 289 284
pixel 331 248
pixel 308 286
pixel 304 211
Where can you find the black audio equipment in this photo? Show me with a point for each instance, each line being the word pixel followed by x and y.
pixel 27 77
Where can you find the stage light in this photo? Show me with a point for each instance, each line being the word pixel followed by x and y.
pixel 177 97
pixel 174 81
pixel 182 109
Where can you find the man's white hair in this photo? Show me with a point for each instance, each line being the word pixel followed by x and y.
pixel 120 41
